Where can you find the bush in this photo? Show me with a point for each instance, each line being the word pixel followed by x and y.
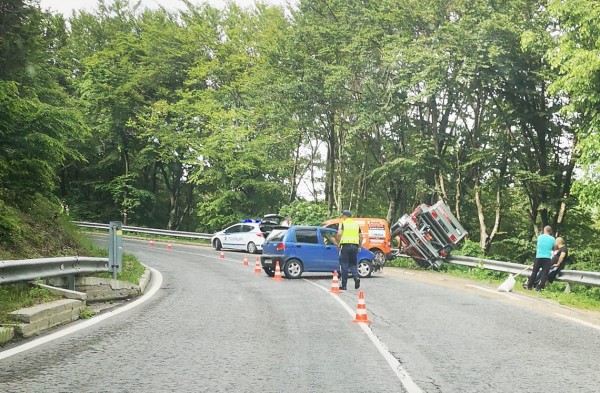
pixel 587 259
pixel 306 213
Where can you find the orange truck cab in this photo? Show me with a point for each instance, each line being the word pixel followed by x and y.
pixel 376 237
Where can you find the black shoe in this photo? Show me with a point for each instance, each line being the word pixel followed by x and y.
pixel 356 283
pixel 342 288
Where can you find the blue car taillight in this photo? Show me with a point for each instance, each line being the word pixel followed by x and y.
pixel 280 247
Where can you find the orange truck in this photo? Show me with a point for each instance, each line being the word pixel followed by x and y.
pixel 376 237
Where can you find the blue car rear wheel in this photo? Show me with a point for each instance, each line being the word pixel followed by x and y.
pixel 293 268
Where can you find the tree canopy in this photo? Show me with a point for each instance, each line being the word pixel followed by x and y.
pixel 196 118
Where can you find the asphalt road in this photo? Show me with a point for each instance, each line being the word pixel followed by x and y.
pixel 216 326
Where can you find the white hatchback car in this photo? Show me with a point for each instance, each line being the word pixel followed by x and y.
pixel 246 235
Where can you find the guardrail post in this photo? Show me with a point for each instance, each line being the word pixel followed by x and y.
pixel 115 248
pixel 71 282
pixel 568 288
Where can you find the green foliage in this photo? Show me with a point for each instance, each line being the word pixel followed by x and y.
pixel 86 313
pixel 513 250
pixel 470 248
pixel 40 232
pixel 586 259
pixel 305 213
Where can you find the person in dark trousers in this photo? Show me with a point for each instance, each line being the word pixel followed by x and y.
pixel 545 244
pixel 559 259
pixel 349 239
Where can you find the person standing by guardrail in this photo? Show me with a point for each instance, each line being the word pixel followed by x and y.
pixel 545 243
pixel 349 237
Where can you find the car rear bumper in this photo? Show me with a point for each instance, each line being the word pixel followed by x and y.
pixel 270 261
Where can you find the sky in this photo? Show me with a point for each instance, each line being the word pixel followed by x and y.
pixel 67 6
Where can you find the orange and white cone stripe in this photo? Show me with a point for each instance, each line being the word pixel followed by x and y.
pixel 277 275
pixel 222 256
pixel 245 261
pixel 361 309
pixel 257 268
pixel 335 284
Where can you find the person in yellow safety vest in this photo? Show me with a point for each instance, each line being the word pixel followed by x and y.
pixel 349 239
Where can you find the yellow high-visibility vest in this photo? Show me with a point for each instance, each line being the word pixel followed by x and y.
pixel 350 232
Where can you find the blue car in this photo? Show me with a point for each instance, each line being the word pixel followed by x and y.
pixel 300 249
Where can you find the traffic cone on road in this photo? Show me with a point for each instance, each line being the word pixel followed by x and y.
pixel 335 284
pixel 222 256
pixel 169 246
pixel 257 268
pixel 277 275
pixel 245 261
pixel 151 243
pixel 361 309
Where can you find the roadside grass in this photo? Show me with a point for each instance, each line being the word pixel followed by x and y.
pixel 582 297
pixel 21 295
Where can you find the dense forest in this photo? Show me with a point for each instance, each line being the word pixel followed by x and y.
pixel 196 118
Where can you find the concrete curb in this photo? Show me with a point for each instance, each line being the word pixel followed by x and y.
pixel 100 293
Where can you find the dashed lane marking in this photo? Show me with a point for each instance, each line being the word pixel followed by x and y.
pixel 408 383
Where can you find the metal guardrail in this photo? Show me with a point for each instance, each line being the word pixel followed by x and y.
pixel 568 276
pixel 32 269
pixel 165 232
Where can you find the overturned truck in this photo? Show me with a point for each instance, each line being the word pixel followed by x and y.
pixel 428 234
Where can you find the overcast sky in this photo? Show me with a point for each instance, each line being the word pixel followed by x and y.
pixel 67 6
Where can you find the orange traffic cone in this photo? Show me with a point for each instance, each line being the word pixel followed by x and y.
pixel 335 284
pixel 257 268
pixel 222 256
pixel 151 243
pixel 169 246
pixel 245 261
pixel 277 275
pixel 361 309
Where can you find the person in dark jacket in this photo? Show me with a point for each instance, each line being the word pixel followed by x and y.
pixel 559 259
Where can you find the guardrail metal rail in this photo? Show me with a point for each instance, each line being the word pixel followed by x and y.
pixel 12 271
pixel 165 232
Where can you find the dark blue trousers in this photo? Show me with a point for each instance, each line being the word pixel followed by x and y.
pixel 542 264
pixel 348 261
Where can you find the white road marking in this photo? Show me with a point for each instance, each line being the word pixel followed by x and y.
pixel 578 321
pixel 408 383
pixel 154 286
pixel 507 294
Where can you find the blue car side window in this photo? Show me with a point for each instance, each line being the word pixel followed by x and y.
pixel 328 237
pixel 307 236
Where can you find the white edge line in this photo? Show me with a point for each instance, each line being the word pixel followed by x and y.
pixel 497 292
pixel 400 372
pixel 155 284
pixel 578 321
